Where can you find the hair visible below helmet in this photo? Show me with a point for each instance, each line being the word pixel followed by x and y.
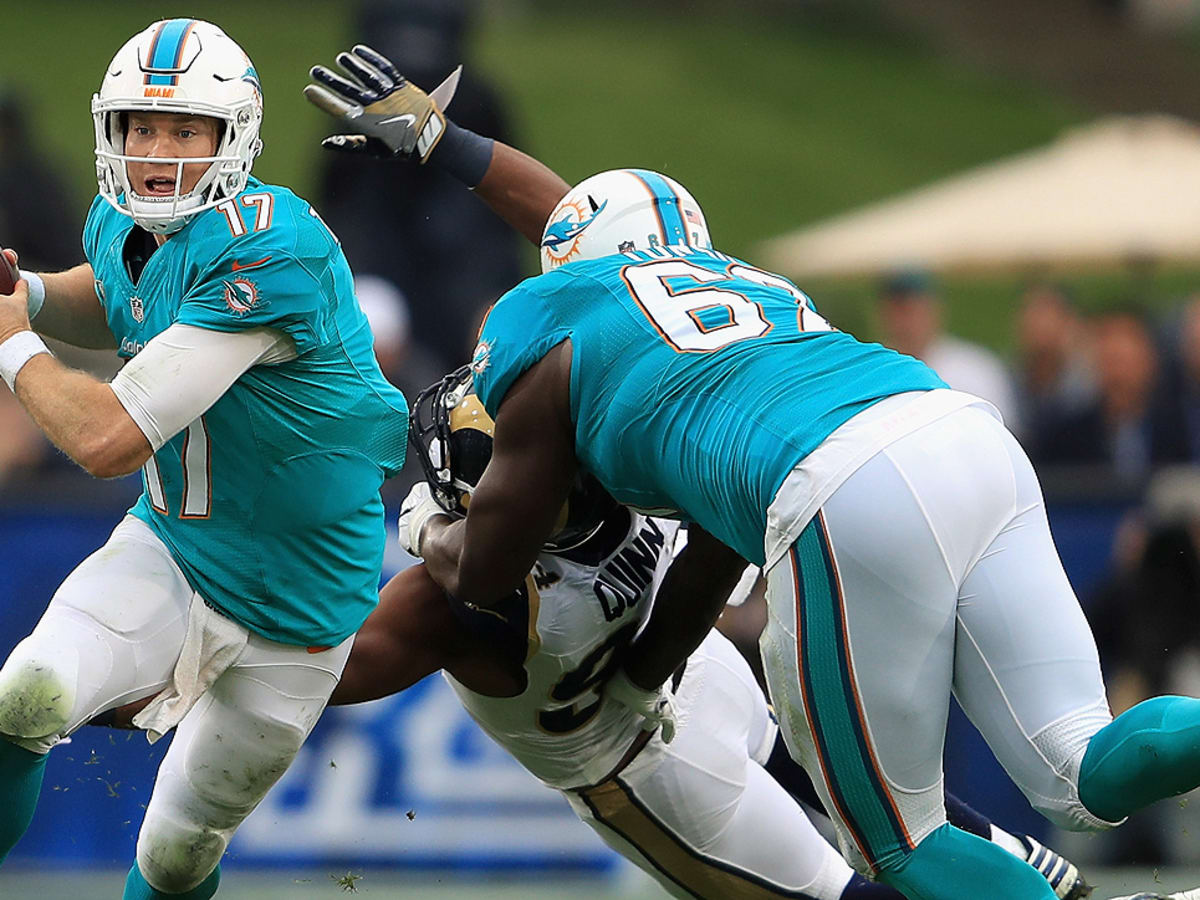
pixel 188 67
pixel 618 211
pixel 452 434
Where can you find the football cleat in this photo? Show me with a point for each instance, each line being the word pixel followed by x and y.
pixel 1060 872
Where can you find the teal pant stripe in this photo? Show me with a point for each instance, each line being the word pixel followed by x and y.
pixel 832 703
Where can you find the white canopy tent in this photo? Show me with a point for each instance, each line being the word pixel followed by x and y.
pixel 1119 189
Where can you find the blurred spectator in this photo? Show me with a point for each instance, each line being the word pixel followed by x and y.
pixel 1184 379
pixel 405 364
pixel 36 218
pixel 1144 618
pixel 439 244
pixel 1054 376
pixel 911 317
pixel 1129 426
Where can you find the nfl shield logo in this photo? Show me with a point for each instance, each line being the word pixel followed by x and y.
pixel 135 307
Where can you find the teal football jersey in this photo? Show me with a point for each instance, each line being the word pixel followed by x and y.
pixel 269 502
pixel 697 382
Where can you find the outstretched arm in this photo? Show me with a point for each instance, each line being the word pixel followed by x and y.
pixel 521 190
pixel 389 116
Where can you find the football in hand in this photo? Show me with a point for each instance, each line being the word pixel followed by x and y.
pixel 8 275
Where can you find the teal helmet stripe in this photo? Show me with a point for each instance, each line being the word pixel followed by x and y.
pixel 666 204
pixel 166 50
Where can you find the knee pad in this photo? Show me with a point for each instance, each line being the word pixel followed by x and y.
pixel 175 857
pixel 37 691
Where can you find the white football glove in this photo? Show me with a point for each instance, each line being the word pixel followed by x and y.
pixel 657 708
pixel 418 507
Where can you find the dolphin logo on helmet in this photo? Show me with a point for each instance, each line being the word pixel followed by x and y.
pixel 619 211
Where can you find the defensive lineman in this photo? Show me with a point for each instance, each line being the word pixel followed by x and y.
pixel 252 402
pixel 901 526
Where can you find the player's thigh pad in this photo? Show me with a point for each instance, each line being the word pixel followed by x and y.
pixel 110 634
pixel 228 751
pixel 700 814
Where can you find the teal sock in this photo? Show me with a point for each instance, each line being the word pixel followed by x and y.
pixel 951 864
pixel 21 774
pixel 1147 753
pixel 137 888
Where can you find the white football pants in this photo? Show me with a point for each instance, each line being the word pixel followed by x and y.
pixel 931 570
pixel 701 814
pixel 111 635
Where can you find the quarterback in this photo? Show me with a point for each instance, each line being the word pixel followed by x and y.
pixel 253 406
pixel 901 528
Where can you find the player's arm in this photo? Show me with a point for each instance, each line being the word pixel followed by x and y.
pixel 686 606
pixel 485 556
pixel 393 118
pixel 112 429
pixel 64 306
pixel 520 190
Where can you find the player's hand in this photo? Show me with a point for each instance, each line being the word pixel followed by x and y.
pixel 657 708
pixel 388 115
pixel 14 307
pixel 415 512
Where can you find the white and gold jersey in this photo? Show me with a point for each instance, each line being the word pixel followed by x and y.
pixel 583 612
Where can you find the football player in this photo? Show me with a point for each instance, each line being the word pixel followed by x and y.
pixel 703 816
pixel 252 403
pixel 901 527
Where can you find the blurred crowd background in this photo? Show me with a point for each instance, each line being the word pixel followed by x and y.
pixel 1010 192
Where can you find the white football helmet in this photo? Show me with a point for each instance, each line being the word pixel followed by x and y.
pixel 178 66
pixel 620 210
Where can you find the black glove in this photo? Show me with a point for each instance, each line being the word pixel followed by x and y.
pixel 388 115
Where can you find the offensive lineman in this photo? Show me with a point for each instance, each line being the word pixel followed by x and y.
pixel 252 402
pixel 703 816
pixel 901 527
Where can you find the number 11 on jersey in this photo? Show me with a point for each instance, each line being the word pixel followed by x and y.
pixel 196 462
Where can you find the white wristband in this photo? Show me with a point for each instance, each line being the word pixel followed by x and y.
pixel 37 292
pixel 16 351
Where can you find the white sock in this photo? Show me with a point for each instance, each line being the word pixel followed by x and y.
pixel 1002 838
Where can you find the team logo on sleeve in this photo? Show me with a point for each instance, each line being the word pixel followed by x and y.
pixel 482 357
pixel 241 296
pixel 561 240
pixel 138 309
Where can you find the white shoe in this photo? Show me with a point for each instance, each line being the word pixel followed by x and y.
pixel 1060 872
pixel 1193 894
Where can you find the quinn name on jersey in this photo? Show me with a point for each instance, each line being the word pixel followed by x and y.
pixel 583 612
